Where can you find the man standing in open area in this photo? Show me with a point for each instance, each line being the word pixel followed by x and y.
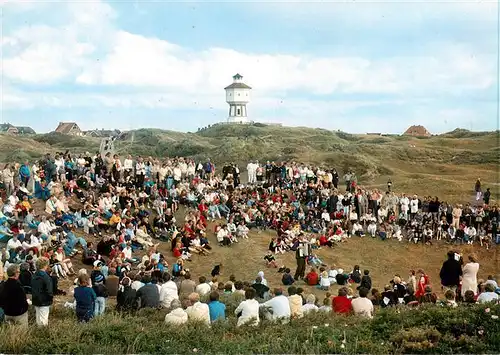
pixel 451 273
pixel 301 255
pixel 13 298
pixel 42 292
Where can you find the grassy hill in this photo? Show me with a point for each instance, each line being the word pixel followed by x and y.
pixel 445 165
pixel 429 330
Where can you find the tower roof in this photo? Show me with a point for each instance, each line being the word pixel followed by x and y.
pixel 237 76
pixel 237 86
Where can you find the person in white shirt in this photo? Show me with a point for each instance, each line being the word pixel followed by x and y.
pixel 310 306
pixel 471 234
pixel 128 167
pixel 248 310
pixel 45 227
pixel 203 288
pixel 177 316
pixel 242 230
pixel 278 307
pixel 198 311
pixel 137 284
pixel 414 206
pixel 488 295
pixel 252 172
pixel 362 306
pixel 404 202
pixel 325 216
pixel 223 236
pixel 168 292
pixel 13 243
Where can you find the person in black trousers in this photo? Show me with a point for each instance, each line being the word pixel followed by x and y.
pixel 301 254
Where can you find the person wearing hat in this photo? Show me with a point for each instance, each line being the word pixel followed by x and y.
pixel 101 293
pixel 96 272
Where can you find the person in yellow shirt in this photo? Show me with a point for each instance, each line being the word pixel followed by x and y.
pixel 115 219
pixel 26 203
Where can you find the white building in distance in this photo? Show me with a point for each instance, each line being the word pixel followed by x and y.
pixel 237 96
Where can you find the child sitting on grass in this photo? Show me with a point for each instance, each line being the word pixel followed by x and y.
pixel 287 279
pixel 324 282
pixel 271 260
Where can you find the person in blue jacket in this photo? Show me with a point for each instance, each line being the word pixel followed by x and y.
pixel 85 299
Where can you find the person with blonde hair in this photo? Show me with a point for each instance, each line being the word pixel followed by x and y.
pixel 469 277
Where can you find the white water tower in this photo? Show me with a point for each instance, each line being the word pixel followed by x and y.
pixel 237 96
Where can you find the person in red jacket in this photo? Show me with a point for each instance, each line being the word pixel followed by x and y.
pixel 312 278
pixel 422 282
pixel 342 304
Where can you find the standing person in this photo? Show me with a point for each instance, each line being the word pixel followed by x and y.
pixel 8 179
pixel 477 188
pixel 13 298
pixel 422 282
pixel 301 254
pixel 42 291
pixel 450 273
pixel 85 298
pixel 252 172
pixel 101 293
pixel 469 278
pixel 24 174
pixel 487 196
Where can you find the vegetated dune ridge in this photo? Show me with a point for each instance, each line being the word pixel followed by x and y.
pixel 446 165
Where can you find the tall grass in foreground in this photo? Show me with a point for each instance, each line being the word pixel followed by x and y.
pixel 432 329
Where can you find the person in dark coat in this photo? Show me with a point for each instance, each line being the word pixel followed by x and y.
pixel 42 291
pixel 126 298
pixel 13 298
pixel 148 295
pixel 450 273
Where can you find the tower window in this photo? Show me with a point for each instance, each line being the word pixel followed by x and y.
pixel 238 94
pixel 238 112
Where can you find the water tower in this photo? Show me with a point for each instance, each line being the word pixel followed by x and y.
pixel 237 96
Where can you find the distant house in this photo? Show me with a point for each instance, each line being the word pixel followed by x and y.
pixel 102 133
pixel 417 131
pixel 373 134
pixel 8 128
pixel 25 130
pixel 69 128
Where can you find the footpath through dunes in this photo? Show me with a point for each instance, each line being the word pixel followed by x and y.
pixel 445 165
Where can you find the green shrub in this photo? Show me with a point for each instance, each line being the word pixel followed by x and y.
pixel 431 329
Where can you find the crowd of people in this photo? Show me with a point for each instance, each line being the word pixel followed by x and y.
pixel 115 214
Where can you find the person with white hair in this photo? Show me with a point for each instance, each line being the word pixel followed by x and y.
pixel 177 315
pixel 310 305
pixel 198 311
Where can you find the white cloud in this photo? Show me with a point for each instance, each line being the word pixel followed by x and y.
pixel 88 50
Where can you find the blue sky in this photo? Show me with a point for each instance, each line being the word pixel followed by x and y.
pixel 359 66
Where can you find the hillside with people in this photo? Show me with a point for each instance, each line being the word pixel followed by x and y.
pixel 445 165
